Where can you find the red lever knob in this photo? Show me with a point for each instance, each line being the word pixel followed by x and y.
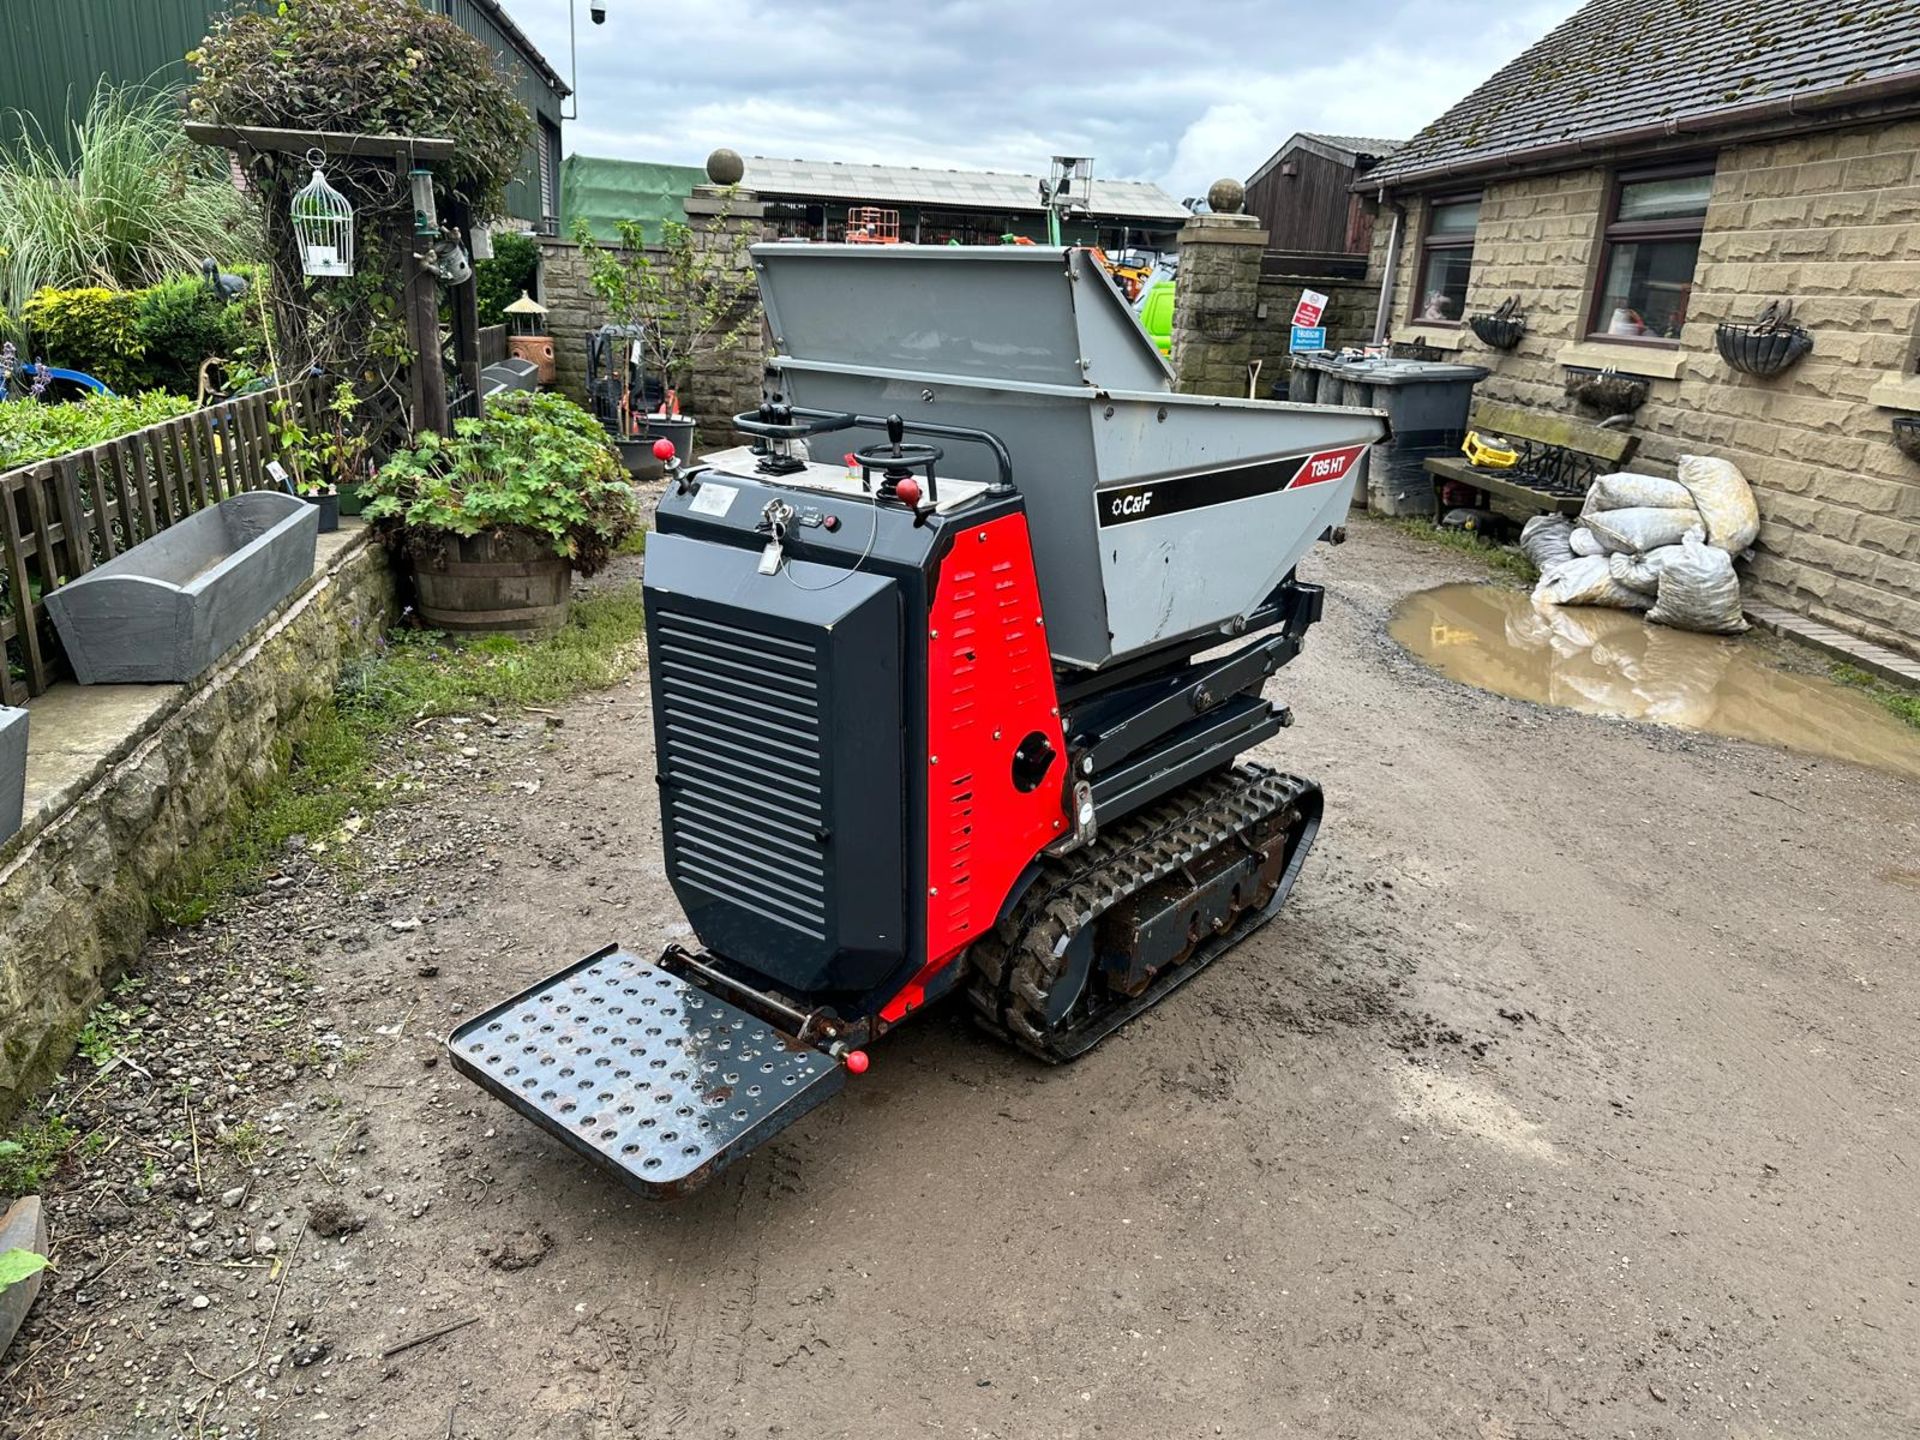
pixel 663 450
pixel 909 492
pixel 857 1061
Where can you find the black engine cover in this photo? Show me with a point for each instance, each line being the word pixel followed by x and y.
pixel 777 721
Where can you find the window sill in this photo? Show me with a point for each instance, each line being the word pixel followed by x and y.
pixel 1895 391
pixel 1440 337
pixel 1654 362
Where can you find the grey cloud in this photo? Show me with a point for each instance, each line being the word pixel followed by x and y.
pixel 1178 93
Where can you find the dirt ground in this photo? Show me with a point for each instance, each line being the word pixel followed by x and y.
pixel 1574 1094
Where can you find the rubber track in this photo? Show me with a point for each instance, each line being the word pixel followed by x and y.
pixel 1014 968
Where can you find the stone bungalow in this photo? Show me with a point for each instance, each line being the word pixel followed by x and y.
pixel 1653 168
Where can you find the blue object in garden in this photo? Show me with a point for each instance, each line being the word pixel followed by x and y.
pixel 1307 340
pixel 38 377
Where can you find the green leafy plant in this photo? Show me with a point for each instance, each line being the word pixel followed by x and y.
pixel 33 1152
pixel 18 1265
pixel 111 1026
pixel 183 323
pixel 331 456
pixel 30 432
pixel 694 295
pixel 244 1141
pixel 534 463
pixel 137 202
pixel 515 267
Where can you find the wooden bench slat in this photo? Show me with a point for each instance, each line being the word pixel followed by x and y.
pixel 1505 497
pixel 1516 422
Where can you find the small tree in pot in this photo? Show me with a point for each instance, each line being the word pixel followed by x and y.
pixel 694 297
pixel 498 519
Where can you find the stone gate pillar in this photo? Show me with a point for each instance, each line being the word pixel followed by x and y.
pixel 725 384
pixel 1218 291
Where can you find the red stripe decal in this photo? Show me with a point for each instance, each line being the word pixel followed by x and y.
pixel 1326 465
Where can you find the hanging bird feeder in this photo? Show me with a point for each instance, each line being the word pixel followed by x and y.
pixel 323 226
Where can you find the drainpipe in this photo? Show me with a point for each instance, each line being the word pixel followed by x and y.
pixel 1382 315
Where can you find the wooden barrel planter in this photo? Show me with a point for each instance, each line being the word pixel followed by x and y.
pixel 502 584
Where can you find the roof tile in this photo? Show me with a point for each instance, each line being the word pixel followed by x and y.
pixel 1616 65
pixel 983 189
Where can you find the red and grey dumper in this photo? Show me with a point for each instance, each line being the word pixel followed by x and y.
pixel 950 670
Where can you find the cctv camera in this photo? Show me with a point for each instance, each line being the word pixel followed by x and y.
pixel 599 14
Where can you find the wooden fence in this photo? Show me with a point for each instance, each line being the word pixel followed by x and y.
pixel 60 518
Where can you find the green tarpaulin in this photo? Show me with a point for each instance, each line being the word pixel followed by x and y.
pixel 604 192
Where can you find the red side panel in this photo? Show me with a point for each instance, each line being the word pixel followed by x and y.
pixel 989 686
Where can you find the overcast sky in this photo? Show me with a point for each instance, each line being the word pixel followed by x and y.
pixel 1179 92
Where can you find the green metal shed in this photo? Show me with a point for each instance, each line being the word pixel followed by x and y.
pixel 52 55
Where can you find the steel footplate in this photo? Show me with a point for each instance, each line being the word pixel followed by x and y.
pixel 642 1072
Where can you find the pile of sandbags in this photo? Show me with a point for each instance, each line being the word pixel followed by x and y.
pixel 1647 543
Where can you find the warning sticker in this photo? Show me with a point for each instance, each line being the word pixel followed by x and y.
pixel 713 499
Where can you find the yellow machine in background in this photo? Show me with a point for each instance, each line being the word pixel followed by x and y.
pixel 1489 452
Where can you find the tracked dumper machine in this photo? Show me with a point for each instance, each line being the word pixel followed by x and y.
pixel 958 711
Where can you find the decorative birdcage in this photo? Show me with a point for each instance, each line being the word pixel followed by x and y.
pixel 323 226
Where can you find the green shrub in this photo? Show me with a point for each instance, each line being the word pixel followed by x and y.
pixel 536 463
pixel 90 329
pixel 30 432
pixel 151 339
pixel 183 323
pixel 515 266
pixel 392 67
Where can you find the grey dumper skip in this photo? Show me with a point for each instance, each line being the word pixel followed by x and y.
pixel 172 605
pixel 13 769
pixel 1037 346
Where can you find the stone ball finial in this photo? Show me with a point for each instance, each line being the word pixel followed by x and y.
pixel 1225 196
pixel 725 167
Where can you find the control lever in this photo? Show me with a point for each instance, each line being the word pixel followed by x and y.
pixel 896 462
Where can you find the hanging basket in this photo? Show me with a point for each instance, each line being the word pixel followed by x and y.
pixel 1502 332
pixel 323 226
pixel 1761 350
pixel 1606 392
pixel 1906 435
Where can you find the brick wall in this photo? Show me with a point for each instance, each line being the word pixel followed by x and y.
pixel 1830 221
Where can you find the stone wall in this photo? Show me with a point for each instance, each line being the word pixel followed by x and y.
pixel 723 385
pixel 1228 314
pixel 1829 221
pixel 1214 325
pixel 1348 318
pixel 77 884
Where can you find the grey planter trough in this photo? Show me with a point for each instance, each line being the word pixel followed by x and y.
pixel 169 607
pixel 13 769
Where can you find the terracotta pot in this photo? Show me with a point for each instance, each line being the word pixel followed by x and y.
pixel 537 350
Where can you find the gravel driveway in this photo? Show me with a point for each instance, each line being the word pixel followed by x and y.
pixel 1574 1094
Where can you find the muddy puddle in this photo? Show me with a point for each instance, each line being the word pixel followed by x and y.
pixel 1612 662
